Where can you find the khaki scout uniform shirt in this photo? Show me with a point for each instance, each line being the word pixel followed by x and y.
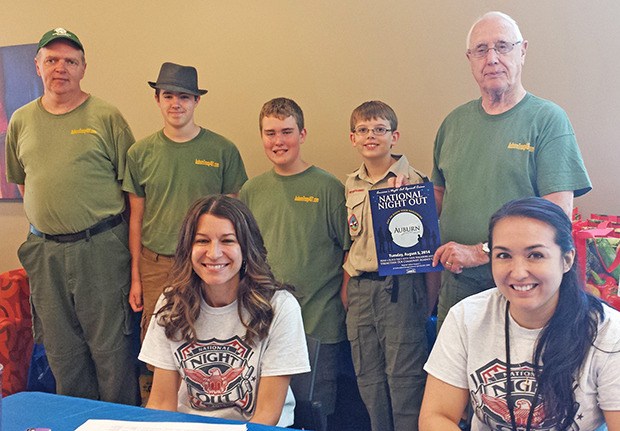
pixel 362 254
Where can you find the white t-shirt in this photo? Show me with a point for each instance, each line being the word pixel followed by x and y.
pixel 470 354
pixel 221 372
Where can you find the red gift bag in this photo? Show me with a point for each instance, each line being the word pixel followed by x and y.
pixel 598 252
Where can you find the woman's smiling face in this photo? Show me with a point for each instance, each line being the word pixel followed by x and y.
pixel 528 267
pixel 216 253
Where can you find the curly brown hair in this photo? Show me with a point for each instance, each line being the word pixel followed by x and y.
pixel 257 285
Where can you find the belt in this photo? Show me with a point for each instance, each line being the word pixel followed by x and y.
pixel 102 226
pixel 372 276
pixel 151 255
pixel 393 291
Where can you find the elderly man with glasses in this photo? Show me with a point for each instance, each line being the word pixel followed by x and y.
pixel 505 145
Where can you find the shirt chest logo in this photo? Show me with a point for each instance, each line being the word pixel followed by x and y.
pixel 85 131
pixel 308 199
pixel 491 405
pixel 217 373
pixel 210 163
pixel 353 223
pixel 521 147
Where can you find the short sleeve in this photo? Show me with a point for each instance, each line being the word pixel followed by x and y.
pixel 559 164
pixel 338 219
pixel 436 175
pixel 156 348
pixel 124 140
pixel 234 172
pixel 448 359
pixel 14 170
pixel 131 179
pixel 286 352
pixel 608 376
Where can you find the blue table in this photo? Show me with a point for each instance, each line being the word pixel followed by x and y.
pixel 60 413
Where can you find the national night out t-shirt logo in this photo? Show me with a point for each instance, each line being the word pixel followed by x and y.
pixel 217 373
pixel 490 397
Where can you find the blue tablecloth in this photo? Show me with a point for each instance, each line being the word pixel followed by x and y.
pixel 36 409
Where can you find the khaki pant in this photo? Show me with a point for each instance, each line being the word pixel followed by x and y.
pixel 154 272
pixel 389 348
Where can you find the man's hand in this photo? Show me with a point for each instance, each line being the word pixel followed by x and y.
pixel 343 288
pixel 344 298
pixel 454 256
pixel 135 296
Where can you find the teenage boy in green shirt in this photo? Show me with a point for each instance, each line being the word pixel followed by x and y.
pixel 166 172
pixel 301 214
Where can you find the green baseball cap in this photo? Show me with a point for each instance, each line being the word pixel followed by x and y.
pixel 59 33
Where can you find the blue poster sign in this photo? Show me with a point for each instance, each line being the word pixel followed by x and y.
pixel 406 228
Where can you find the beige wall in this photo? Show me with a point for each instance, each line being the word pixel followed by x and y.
pixel 330 56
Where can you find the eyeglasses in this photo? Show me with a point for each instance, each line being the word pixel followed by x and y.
pixel 500 47
pixel 377 131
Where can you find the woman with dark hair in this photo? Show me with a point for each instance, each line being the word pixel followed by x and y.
pixel 226 337
pixel 537 352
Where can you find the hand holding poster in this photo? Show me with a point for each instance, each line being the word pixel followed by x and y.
pixel 406 228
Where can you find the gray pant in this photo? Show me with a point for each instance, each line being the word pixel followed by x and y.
pixel 326 380
pixel 80 313
pixel 456 287
pixel 389 348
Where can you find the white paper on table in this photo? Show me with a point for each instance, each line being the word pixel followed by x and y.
pixel 111 425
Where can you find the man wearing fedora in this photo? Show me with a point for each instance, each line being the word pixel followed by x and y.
pixel 66 152
pixel 166 172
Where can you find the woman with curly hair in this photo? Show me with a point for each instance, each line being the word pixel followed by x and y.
pixel 226 337
pixel 537 352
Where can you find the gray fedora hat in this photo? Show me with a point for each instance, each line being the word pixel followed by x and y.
pixel 174 77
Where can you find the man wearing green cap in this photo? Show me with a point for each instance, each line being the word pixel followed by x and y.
pixel 66 151
pixel 166 172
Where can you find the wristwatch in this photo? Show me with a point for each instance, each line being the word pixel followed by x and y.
pixel 485 248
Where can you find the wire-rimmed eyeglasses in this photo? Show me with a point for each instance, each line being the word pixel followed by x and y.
pixel 377 131
pixel 499 47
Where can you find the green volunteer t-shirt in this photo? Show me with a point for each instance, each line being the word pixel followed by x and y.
pixel 484 161
pixel 70 164
pixel 172 175
pixel 303 221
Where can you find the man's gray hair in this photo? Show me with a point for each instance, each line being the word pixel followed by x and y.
pixel 495 14
pixel 37 56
